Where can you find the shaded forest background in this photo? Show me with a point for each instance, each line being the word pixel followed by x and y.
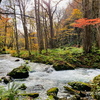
pixel 45 26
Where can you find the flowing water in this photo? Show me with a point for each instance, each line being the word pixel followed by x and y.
pixel 42 77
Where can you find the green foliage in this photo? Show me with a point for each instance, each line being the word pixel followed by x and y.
pixel 11 93
pixel 65 56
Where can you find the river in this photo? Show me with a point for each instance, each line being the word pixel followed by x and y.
pixel 42 77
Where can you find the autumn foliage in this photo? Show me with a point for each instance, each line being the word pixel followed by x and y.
pixel 81 23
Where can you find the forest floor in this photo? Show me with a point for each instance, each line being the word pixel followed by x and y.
pixel 63 58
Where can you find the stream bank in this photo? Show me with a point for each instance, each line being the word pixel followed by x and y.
pixel 43 77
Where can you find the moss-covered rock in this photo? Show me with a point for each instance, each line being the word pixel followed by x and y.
pixel 32 95
pixel 75 92
pixel 96 88
pixel 62 65
pixel 70 90
pixel 53 91
pixel 96 79
pixel 81 86
pixel 20 72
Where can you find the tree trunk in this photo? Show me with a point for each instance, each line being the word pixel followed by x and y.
pixel 87 35
pixel 51 31
pixel 96 14
pixel 38 24
pixel 16 33
pixel 23 19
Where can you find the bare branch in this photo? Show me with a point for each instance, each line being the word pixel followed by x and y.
pixel 16 14
pixel 78 2
pixel 44 8
pixel 56 6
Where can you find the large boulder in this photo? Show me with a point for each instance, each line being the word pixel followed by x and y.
pixel 20 72
pixel 81 86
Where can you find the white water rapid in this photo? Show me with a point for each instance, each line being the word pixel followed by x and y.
pixel 42 77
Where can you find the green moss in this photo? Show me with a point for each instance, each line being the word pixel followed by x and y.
pixel 33 95
pixel 52 91
pixel 81 86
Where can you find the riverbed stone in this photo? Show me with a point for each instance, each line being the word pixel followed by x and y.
pixel 38 87
pixel 81 86
pixel 74 92
pixel 6 79
pixel 32 95
pixel 17 60
pixel 20 72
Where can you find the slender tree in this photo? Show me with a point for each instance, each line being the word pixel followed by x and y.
pixel 50 11
pixel 22 8
pixel 38 24
pixel 13 8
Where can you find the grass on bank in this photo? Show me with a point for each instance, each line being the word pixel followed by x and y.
pixel 67 56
